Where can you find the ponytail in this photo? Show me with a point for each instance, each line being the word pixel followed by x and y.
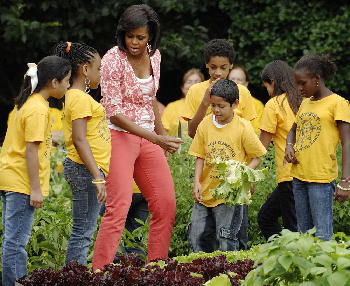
pixel 282 75
pixel 76 53
pixel 48 68
pixel 315 64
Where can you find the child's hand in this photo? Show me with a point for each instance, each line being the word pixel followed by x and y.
pixel 340 195
pixel 290 156
pixel 252 190
pixel 206 97
pixel 197 192
pixel 36 199
pixel 101 193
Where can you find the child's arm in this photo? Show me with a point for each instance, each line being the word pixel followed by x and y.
pixel 265 138
pixel 197 188
pixel 344 133
pixel 254 163
pixel 290 153
pixel 201 112
pixel 32 161
pixel 79 130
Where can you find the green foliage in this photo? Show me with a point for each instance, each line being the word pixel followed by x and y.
pixel 302 259
pixel 182 170
pixel 51 231
pixel 236 180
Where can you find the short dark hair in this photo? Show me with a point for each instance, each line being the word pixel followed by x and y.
pixel 137 16
pixel 220 48
pixel 315 64
pixel 227 89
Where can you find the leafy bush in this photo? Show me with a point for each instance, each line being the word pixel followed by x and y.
pixel 302 259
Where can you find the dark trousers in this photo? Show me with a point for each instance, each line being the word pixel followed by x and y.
pixel 279 204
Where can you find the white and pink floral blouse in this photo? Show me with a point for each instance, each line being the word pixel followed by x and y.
pixel 120 88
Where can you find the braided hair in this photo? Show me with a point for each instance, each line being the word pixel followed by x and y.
pixel 49 68
pixel 315 64
pixel 76 53
pixel 282 75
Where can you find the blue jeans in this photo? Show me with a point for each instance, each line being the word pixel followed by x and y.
pixel 85 210
pixel 17 222
pixel 279 204
pixel 214 228
pixel 242 234
pixel 314 207
pixel 139 210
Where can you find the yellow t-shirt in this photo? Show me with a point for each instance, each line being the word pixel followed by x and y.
pixel 259 108
pixel 277 119
pixel 32 123
pixel 56 116
pixel 171 117
pixel 79 104
pixel 195 94
pixel 235 141
pixel 317 137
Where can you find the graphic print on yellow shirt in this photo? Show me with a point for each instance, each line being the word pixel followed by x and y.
pixel 32 123
pixel 235 141
pixel 79 104
pixel 317 138
pixel 245 108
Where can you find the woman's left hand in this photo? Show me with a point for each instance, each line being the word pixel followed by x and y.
pixel 340 195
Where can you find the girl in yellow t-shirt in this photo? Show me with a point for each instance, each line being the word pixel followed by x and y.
pixel 25 160
pixel 276 121
pixel 323 118
pixel 171 116
pixel 88 143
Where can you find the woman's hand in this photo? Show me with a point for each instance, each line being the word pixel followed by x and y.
pixel 168 143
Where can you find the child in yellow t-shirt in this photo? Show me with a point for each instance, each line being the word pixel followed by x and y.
pixel 277 119
pixel 323 118
pixel 214 225
pixel 218 56
pixel 172 112
pixel 240 75
pixel 88 143
pixel 25 160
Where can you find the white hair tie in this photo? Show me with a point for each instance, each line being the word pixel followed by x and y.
pixel 33 73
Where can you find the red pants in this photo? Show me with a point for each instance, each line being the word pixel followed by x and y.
pixel 133 156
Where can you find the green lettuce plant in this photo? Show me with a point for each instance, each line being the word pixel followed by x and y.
pixel 302 259
pixel 236 180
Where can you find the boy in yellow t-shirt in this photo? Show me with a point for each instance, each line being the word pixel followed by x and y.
pixel 218 55
pixel 214 225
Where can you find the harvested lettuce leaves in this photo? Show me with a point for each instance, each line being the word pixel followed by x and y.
pixel 236 180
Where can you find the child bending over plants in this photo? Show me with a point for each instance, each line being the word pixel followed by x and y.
pixel 214 225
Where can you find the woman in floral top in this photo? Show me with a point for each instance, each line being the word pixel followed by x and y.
pixel 129 82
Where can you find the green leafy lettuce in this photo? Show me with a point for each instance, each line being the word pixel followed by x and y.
pixel 236 180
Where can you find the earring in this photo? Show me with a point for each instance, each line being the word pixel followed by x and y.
pixel 87 85
pixel 149 47
pixel 316 83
